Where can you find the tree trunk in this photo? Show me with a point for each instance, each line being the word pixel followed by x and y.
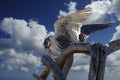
pixel 97 63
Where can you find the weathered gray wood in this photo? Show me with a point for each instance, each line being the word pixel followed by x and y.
pixel 67 66
pixel 97 63
pixel 113 46
pixel 54 67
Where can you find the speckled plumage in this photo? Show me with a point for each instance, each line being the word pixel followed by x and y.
pixel 70 25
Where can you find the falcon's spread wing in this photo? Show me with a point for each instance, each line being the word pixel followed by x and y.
pixel 69 26
pixel 90 28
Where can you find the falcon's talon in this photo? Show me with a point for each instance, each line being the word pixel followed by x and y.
pixel 53 57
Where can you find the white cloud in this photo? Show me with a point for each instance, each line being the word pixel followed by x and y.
pixel 24 35
pixel 115 8
pixel 26 39
pixel 116 35
pixel 22 61
pixel 113 66
pixel 81 62
pixel 71 9
pixel 81 67
pixel 99 11
pixel 25 69
pixel 113 60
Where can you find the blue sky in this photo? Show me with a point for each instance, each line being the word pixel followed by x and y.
pixel 24 24
pixel 45 12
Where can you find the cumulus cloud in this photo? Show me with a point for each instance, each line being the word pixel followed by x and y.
pixel 71 9
pixel 25 69
pixel 26 41
pixel 113 66
pixel 24 35
pixel 115 8
pixel 81 62
pixel 22 61
pixel 99 11
pixel 116 35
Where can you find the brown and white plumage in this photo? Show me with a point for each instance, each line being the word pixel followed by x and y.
pixel 70 25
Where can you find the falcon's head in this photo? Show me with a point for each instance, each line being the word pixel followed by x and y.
pixel 49 44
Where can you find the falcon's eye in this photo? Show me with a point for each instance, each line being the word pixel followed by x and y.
pixel 47 43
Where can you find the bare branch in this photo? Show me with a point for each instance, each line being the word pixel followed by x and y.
pixel 55 68
pixel 113 46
